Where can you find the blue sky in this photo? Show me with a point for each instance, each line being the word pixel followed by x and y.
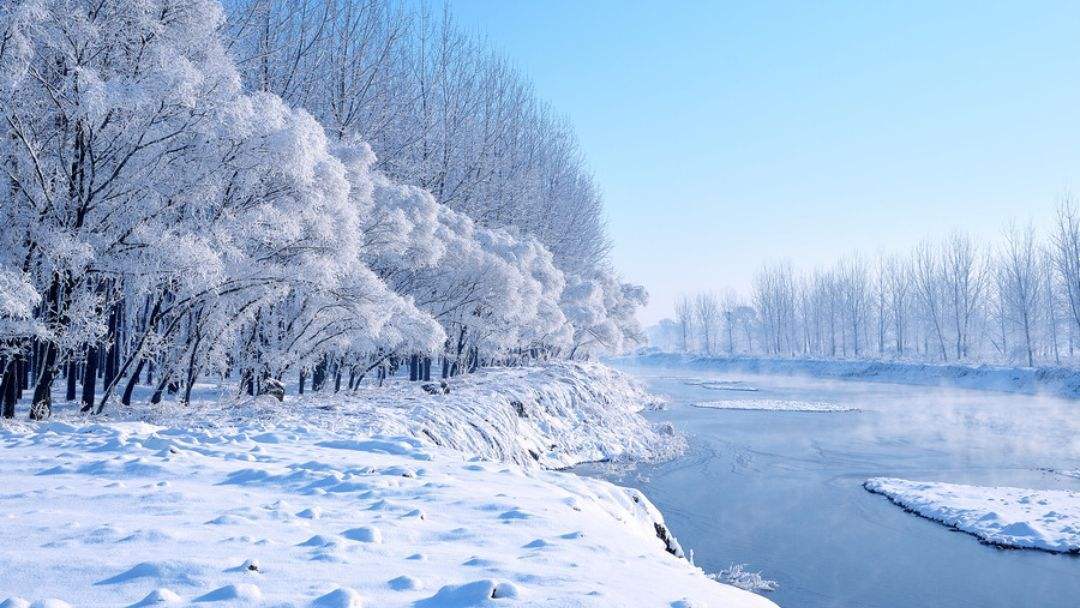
pixel 726 135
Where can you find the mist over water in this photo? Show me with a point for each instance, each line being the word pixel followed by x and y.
pixel 781 491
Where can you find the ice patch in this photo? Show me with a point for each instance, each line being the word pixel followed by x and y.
pixel 774 405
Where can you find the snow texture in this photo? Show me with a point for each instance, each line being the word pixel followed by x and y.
pixel 774 405
pixel 555 416
pixel 295 506
pixel 1009 517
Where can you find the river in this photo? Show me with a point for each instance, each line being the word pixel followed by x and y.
pixel 781 491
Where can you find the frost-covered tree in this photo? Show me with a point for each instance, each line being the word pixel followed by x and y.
pixel 174 209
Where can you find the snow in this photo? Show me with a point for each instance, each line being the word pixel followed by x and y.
pixel 316 503
pixel 1010 517
pixel 775 405
pixel 723 385
pixel 1074 473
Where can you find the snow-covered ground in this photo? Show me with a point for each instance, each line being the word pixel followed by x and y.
pixel 775 405
pixel 1010 517
pixel 389 498
pixel 1060 382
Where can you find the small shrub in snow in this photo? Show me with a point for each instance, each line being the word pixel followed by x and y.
pixel 737 575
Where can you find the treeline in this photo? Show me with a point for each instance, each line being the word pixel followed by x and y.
pixel 1016 301
pixel 318 189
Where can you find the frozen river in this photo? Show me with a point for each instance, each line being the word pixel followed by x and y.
pixel 781 491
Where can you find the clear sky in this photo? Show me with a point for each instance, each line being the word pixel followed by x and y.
pixel 725 135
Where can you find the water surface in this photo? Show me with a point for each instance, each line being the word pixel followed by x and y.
pixel 781 491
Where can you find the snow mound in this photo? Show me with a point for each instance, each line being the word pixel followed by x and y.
pixel 1048 520
pixel 364 534
pixel 774 405
pixel 476 593
pixel 171 572
pixel 244 592
pixel 342 597
pixel 158 597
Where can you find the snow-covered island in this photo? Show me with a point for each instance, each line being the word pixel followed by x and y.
pixel 1048 520
pixel 389 497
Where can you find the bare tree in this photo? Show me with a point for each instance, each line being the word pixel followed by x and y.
pixel 1020 284
pixel 963 283
pixel 707 311
pixel 1066 247
pixel 898 278
pixel 927 280
pixel 684 319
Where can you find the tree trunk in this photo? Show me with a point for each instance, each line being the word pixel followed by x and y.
pixel 89 378
pixel 72 372
pixel 132 382
pixel 11 388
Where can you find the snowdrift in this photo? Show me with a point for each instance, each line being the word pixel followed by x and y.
pixel 1055 381
pixel 554 416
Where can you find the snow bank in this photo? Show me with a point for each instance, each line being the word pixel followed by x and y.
pixel 295 506
pixel 555 416
pixel 1010 517
pixel 774 405
pixel 1054 381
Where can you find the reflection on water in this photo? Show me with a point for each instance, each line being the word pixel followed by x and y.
pixel 781 490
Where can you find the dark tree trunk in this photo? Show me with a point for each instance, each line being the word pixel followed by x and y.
pixel 72 373
pixel 318 376
pixel 112 354
pixel 41 406
pixel 22 375
pixel 133 381
pixel 90 378
pixel 11 388
pixel 303 381
pixel 160 390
